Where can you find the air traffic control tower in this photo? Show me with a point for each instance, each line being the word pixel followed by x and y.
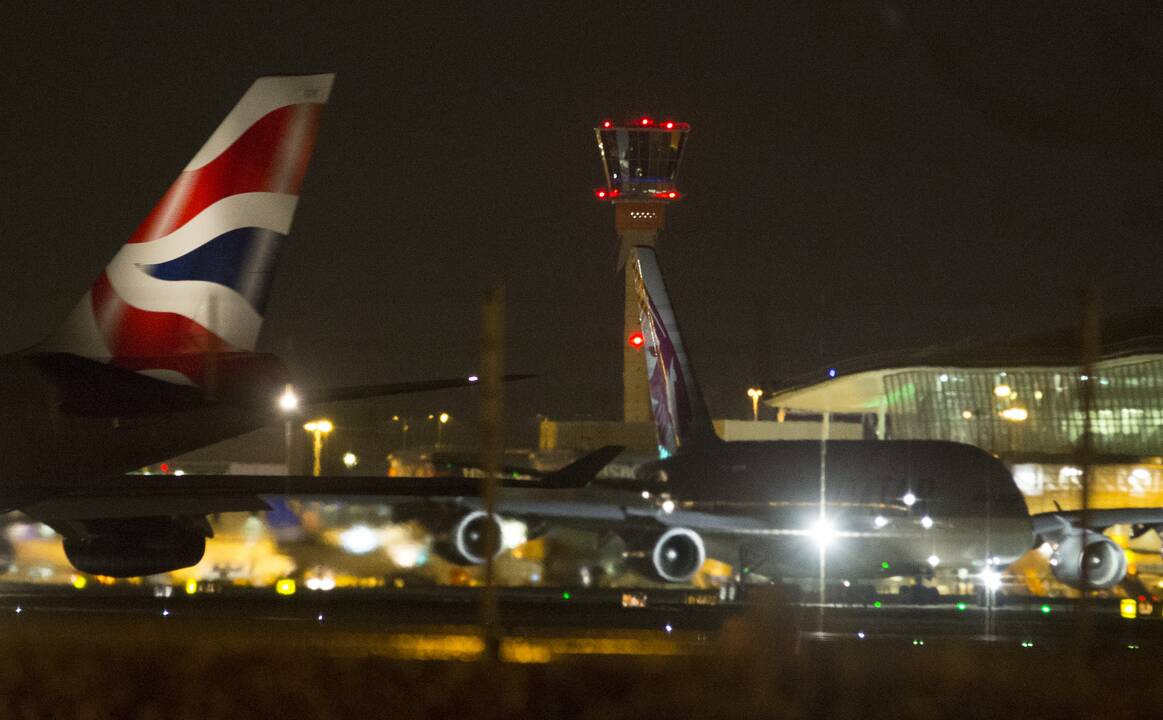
pixel 640 158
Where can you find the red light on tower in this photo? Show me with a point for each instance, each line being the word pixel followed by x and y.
pixel 636 340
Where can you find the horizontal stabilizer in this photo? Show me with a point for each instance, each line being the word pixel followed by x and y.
pixel 88 388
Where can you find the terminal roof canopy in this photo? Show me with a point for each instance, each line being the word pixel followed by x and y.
pixel 857 385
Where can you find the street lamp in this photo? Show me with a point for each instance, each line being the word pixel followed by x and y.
pixel 442 419
pixel 318 428
pixel 288 401
pixel 289 406
pixel 404 428
pixel 754 393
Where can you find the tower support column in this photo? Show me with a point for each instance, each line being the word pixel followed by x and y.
pixel 638 224
pixel 640 160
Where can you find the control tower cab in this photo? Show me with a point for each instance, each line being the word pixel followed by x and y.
pixel 640 158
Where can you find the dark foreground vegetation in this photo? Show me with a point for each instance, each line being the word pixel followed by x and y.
pixel 73 666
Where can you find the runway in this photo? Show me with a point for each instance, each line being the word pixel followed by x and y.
pixel 549 623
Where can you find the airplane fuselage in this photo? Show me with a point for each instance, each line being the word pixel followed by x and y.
pixel 900 506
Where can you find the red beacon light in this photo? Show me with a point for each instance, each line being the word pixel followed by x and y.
pixel 636 340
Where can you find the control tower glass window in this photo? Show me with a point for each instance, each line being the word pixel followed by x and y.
pixel 641 162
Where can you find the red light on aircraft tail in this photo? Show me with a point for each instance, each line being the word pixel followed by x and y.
pixel 644 122
pixel 636 340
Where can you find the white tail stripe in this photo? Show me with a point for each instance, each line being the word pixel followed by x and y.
pixel 215 307
pixel 264 96
pixel 273 211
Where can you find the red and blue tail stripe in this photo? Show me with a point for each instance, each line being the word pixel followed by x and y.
pixel 242 260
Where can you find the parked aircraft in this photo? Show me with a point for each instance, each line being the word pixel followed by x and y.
pixel 158 356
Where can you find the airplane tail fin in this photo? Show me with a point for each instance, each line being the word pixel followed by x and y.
pixel 193 280
pixel 680 414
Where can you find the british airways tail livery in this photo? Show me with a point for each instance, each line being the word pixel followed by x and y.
pixel 195 276
pixel 158 358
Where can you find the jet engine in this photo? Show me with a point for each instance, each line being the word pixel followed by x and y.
pixel 672 555
pixel 462 541
pixel 1104 561
pixel 137 546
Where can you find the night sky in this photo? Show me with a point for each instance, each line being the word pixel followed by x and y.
pixel 860 178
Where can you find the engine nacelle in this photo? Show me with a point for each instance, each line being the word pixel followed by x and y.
pixel 131 553
pixel 672 555
pixel 463 540
pixel 1105 561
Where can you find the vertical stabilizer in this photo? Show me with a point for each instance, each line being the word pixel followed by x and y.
pixel 193 280
pixel 680 414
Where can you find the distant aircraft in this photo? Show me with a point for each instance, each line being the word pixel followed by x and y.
pixel 158 357
pixel 759 502
pixel 876 508
pixel 881 507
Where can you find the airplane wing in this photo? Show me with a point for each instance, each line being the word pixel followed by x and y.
pixel 1140 519
pixel 152 495
pixel 579 473
pixel 357 392
pixel 94 389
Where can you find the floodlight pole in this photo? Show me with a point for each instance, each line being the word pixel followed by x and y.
pixel 825 430
pixel 1091 335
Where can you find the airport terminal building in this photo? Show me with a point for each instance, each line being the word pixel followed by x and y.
pixel 1022 400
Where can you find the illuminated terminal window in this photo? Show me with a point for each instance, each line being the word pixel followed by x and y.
pixel 1031 410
